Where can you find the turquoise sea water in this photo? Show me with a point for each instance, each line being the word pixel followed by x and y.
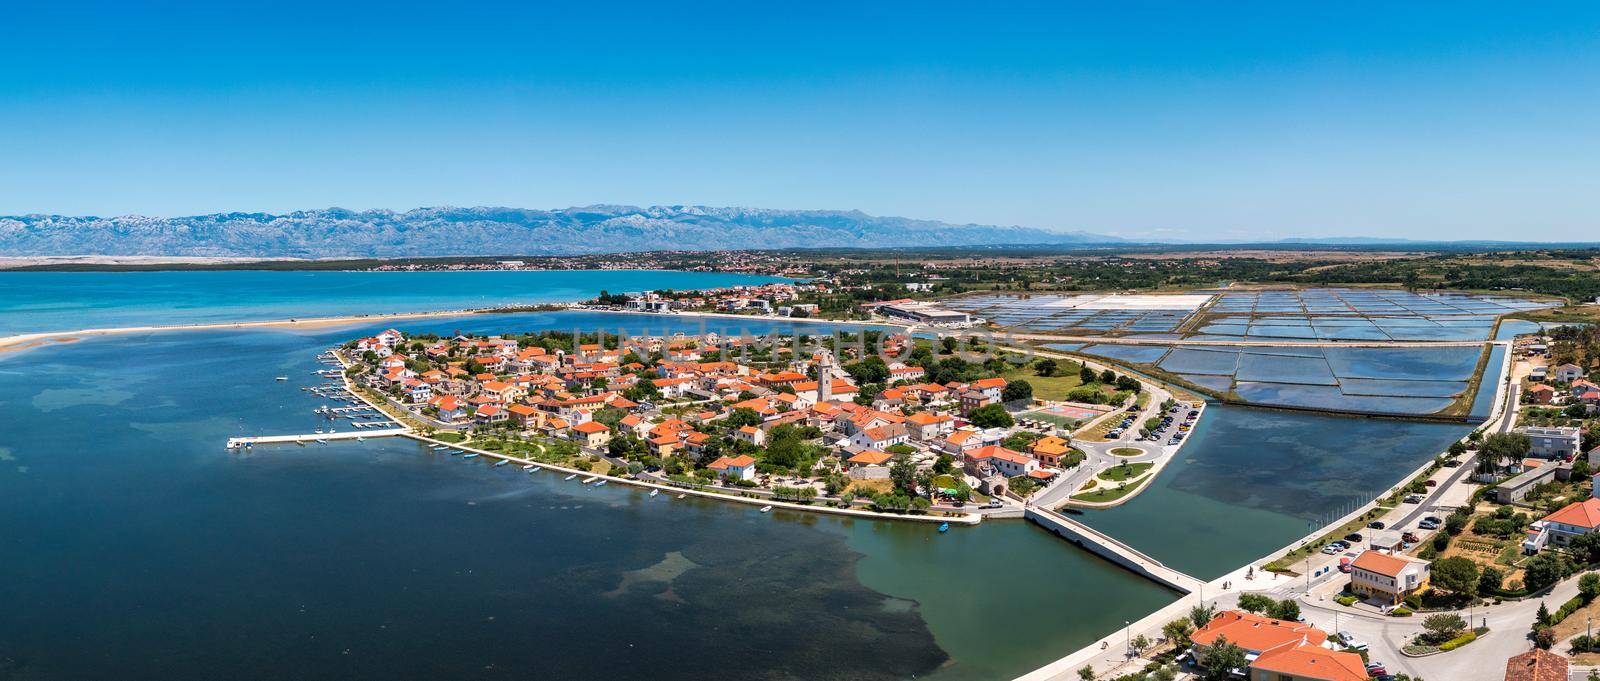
pixel 66 301
pixel 178 560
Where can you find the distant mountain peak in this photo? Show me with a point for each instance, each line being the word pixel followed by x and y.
pixel 490 230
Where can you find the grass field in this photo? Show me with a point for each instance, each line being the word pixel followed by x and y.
pixel 1125 471
pixel 1105 494
pixel 1045 387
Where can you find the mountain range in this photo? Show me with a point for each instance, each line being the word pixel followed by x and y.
pixel 448 231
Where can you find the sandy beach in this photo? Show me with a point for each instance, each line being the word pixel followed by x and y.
pixel 32 340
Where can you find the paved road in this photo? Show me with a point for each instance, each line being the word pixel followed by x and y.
pixel 1098 456
pixel 1108 340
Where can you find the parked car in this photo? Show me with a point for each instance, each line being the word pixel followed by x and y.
pixel 1410 538
pixel 1428 525
pixel 1349 640
pixel 1331 549
pixel 1376 525
pixel 1414 498
pixel 1376 669
pixel 1353 537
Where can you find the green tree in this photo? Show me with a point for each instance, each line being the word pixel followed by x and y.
pixel 1221 659
pixel 1441 628
pixel 1489 580
pixel 991 416
pixel 1286 609
pixel 1589 586
pixel 1046 367
pixel 1513 446
pixel 903 473
pixel 1585 547
pixel 1017 390
pixel 1139 644
pixel 1177 631
pixel 1255 603
pixel 1199 615
pixel 1086 375
pixel 1542 571
pixel 1455 574
pixel 743 416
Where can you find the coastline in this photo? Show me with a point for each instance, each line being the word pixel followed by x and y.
pixel 26 341
pixel 1063 668
pixel 961 519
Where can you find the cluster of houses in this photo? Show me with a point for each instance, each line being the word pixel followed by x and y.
pixel 782 299
pixel 1565 385
pixel 674 402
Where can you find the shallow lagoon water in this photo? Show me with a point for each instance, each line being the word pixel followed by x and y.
pixel 381 559
pixel 1251 481
pixel 68 301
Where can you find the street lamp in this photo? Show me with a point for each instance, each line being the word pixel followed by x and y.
pixel 1127 643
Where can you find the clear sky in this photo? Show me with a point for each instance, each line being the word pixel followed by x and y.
pixel 1150 120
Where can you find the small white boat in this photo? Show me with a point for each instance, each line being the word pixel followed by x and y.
pixel 527 467
pixel 536 469
pixel 501 462
pixel 471 455
pixel 681 496
pixel 283 378
pixel 602 483
pixel 574 475
pixel 765 509
pixel 321 441
pixel 590 479
pixel 654 492
pixel 361 439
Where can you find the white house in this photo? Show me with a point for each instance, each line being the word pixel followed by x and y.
pixel 1567 373
pixel 741 467
pixel 1560 528
pixel 881 437
pixel 1378 575
pixel 1553 443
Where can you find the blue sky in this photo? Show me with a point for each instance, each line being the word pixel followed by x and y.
pixel 1151 120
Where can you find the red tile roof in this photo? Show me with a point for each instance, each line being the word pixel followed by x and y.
pixel 1584 513
pixel 1536 665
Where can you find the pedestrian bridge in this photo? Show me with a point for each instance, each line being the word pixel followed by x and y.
pixel 1111 549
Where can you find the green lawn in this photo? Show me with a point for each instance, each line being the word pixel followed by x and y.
pixel 1125 451
pixel 1105 494
pixel 1122 472
pixel 1045 387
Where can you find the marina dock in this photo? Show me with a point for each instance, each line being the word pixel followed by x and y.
pixel 236 442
